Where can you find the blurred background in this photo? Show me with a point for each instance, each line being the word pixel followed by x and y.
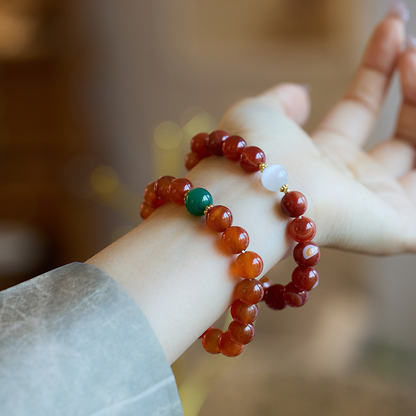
pixel 100 97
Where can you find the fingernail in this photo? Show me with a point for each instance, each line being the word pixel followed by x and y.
pixel 399 9
pixel 411 42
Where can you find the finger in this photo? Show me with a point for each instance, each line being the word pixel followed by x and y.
pixel 408 182
pixel 353 117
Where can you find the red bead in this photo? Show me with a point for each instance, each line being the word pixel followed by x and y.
pixel 191 160
pixel 215 140
pixel 274 297
pixel 302 230
pixel 178 188
pixel 243 312
pixel 293 296
pixel 235 239
pixel 146 210
pixel 229 347
pixel 210 340
pixel 162 187
pixel 250 291
pixel 294 204
pixel 249 265
pixel 305 278
pixel 149 194
pixel 306 254
pixel 212 326
pixel 241 333
pixel 199 145
pixel 219 218
pixel 251 157
pixel 232 147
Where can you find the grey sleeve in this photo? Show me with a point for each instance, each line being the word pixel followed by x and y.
pixel 72 342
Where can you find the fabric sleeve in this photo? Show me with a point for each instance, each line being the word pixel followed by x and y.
pixel 72 342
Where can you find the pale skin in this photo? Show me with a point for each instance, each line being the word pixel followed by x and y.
pixel 173 266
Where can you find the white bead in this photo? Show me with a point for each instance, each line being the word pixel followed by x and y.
pixel 274 177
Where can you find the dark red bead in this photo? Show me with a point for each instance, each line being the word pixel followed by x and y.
pixel 305 278
pixel 274 297
pixel 228 346
pixel 294 204
pixel 146 210
pixel 306 254
pixel 244 312
pixel 232 147
pixel 191 160
pixel 219 218
pixel 250 291
pixel 215 140
pixel 162 187
pixel 302 229
pixel 199 145
pixel 178 188
pixel 293 296
pixel 251 157
pixel 241 333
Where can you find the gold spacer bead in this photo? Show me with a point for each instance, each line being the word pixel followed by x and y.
pixel 207 209
pixel 285 189
pixel 262 166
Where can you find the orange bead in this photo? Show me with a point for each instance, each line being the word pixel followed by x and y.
pixel 250 291
pixel 210 340
pixel 146 210
pixel 149 194
pixel 243 312
pixel 229 347
pixel 219 218
pixel 266 282
pixel 162 187
pixel 178 188
pixel 235 239
pixel 249 265
pixel 302 229
pixel 241 333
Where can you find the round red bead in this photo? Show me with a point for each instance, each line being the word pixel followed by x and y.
pixel 162 187
pixel 199 145
pixel 293 296
pixel 191 160
pixel 228 347
pixel 294 204
pixel 210 340
pixel 244 312
pixel 235 239
pixel 251 157
pixel 215 141
pixel 219 218
pixel 305 278
pixel 274 297
pixel 302 229
pixel 149 194
pixel 249 265
pixel 178 188
pixel 241 333
pixel 212 326
pixel 232 147
pixel 250 291
pixel 146 210
pixel 306 254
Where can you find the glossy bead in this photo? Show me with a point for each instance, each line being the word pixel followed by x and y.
pixel 178 188
pixel 294 204
pixel 305 278
pixel 191 160
pixel 274 177
pixel 219 218
pixel 149 194
pixel 228 347
pixel 241 333
pixel 210 340
pixel 251 157
pixel 162 187
pixel 146 210
pixel 249 265
pixel 235 239
pixel 302 229
pixel 196 200
pixel 244 312
pixel 274 297
pixel 306 254
pixel 199 145
pixel 215 141
pixel 293 296
pixel 250 291
pixel 232 147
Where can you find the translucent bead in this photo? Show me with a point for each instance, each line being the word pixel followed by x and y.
pixel 215 141
pixel 232 147
pixel 149 194
pixel 251 157
pixel 162 187
pixel 146 210
pixel 243 312
pixel 305 278
pixel 228 347
pixel 274 297
pixel 235 239
pixel 210 340
pixel 191 160
pixel 302 229
pixel 293 296
pixel 241 333
pixel 219 218
pixel 274 177
pixel 178 188
pixel 196 200
pixel 306 254
pixel 249 265
pixel 250 291
pixel 199 145
pixel 294 204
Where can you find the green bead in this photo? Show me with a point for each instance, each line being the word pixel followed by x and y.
pixel 196 200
